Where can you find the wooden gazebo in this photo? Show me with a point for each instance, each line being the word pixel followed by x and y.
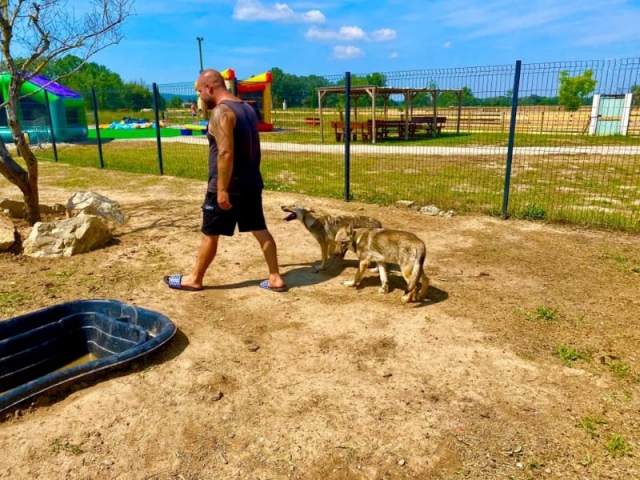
pixel 385 92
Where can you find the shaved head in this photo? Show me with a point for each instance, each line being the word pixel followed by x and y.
pixel 212 78
pixel 212 88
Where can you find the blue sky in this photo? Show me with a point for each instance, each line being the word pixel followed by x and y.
pixel 362 36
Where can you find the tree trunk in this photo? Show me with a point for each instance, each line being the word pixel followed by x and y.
pixel 32 194
pixel 26 181
pixel 13 172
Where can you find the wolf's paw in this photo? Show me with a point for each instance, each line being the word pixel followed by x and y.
pixel 349 283
pixel 408 297
pixel 384 288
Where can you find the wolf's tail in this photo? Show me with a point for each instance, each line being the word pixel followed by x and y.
pixel 416 273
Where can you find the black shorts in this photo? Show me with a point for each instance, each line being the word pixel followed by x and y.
pixel 246 212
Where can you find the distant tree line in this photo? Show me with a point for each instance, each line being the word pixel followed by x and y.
pixel 112 92
pixel 301 90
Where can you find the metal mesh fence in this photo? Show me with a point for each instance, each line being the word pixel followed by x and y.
pixel 438 137
pixel 564 172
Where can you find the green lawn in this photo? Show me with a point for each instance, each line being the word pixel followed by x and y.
pixel 125 134
pixel 581 189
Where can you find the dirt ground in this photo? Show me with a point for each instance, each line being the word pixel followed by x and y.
pixel 330 382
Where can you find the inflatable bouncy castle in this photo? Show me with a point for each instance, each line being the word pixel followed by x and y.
pixel 66 107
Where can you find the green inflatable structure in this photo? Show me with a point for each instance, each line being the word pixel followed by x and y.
pixel 65 120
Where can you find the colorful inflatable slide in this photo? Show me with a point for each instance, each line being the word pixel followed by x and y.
pixel 68 117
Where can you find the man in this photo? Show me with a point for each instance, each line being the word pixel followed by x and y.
pixel 234 189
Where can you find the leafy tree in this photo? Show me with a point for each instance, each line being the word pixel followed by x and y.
pixel 296 90
pixel 573 91
pixel 48 30
pixel 374 79
pixel 81 76
pixel 450 99
pixel 175 102
pixel 635 90
pixel 137 96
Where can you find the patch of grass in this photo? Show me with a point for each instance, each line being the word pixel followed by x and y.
pixel 61 273
pixel 10 302
pixel 626 264
pixel 619 368
pixel 618 397
pixel 542 312
pixel 60 445
pixel 617 446
pixel 570 355
pixel 589 424
pixel 556 188
pixel 535 465
pixel 531 211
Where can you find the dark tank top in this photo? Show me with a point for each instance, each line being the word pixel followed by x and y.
pixel 246 175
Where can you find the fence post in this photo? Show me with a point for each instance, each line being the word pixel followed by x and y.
pixel 158 136
pixel 94 105
pixel 347 135
pixel 53 137
pixel 512 134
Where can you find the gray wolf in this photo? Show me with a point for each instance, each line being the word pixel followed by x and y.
pixel 387 246
pixel 324 227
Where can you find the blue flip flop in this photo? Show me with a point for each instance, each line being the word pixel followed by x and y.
pixel 265 285
pixel 175 282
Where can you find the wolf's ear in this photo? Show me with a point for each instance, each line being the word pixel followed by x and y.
pixel 309 221
pixel 350 229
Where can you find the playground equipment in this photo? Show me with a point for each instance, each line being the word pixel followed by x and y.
pixel 128 123
pixel 256 91
pixel 67 118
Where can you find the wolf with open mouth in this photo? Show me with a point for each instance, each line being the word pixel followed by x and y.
pixel 324 227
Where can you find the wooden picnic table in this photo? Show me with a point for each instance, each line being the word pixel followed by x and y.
pixel 386 127
pixel 357 129
pixel 429 124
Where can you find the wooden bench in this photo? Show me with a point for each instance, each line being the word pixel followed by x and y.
pixel 312 121
pixel 385 127
pixel 429 124
pixel 357 128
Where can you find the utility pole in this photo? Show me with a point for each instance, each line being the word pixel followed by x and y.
pixel 200 39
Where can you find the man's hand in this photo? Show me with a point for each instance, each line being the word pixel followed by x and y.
pixel 223 200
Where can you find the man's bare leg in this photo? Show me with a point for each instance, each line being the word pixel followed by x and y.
pixel 206 254
pixel 270 251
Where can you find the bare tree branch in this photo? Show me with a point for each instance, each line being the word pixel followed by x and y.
pixel 47 30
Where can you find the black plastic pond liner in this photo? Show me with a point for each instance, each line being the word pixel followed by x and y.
pixel 35 347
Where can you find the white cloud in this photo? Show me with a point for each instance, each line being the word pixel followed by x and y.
pixel 569 23
pixel 350 33
pixel 382 35
pixel 345 33
pixel 502 17
pixel 254 10
pixel 393 55
pixel 446 44
pixel 343 52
